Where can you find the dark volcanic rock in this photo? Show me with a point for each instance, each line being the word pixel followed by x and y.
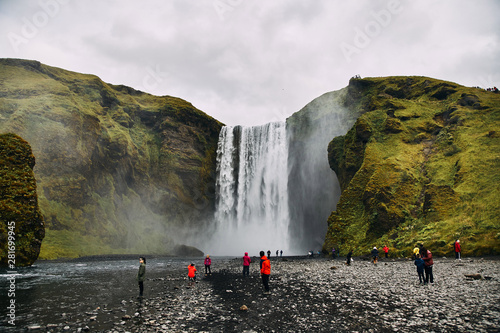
pixel 187 251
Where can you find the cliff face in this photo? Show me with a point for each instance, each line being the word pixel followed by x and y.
pixel 118 170
pixel 420 165
pixel 21 222
pixel 313 188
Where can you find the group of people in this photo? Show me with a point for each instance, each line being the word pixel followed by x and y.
pixel 375 253
pixel 424 263
pixel 422 259
pixel 265 270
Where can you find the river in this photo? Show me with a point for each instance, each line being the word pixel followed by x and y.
pixel 53 292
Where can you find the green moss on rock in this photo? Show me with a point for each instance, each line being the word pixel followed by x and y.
pixel 20 218
pixel 118 170
pixel 419 166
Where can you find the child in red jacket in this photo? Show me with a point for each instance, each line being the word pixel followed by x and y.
pixel 192 273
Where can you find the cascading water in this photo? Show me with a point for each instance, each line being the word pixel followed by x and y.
pixel 275 188
pixel 252 190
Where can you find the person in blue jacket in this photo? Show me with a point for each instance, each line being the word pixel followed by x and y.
pixel 419 262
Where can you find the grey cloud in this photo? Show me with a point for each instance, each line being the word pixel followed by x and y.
pixel 258 61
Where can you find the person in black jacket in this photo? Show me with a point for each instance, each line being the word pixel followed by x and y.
pixel 349 255
pixel 375 255
pixel 141 275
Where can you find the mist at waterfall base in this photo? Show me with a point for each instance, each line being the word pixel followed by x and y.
pixel 274 187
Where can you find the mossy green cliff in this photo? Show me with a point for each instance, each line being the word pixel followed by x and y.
pixel 21 222
pixel 420 165
pixel 118 170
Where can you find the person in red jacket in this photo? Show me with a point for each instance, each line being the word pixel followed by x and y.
pixel 265 271
pixel 458 249
pixel 246 264
pixel 428 263
pixel 386 250
pixel 192 273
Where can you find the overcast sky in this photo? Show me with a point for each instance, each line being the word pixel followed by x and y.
pixel 251 62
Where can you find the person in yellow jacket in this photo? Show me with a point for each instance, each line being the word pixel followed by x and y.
pixel 265 271
pixel 416 251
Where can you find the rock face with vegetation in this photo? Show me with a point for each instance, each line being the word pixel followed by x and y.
pixel 420 165
pixel 313 188
pixel 21 222
pixel 118 170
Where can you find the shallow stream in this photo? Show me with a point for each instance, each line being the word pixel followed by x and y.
pixel 53 292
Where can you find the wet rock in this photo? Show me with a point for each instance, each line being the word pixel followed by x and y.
pixel 474 276
pixel 34 327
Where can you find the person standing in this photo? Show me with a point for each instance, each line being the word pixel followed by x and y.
pixel 141 275
pixel 192 273
pixel 281 253
pixel 386 251
pixel 429 263
pixel 419 262
pixel 458 249
pixel 208 263
pixel 246 264
pixel 269 254
pixel 375 255
pixel 416 250
pixel 333 253
pixel 265 271
pixel 348 261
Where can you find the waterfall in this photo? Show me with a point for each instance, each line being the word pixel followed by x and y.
pixel 274 185
pixel 252 211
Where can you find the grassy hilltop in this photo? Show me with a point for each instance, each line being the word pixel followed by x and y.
pixel 118 170
pixel 420 165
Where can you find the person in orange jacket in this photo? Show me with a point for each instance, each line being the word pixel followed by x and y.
pixel 192 273
pixel 265 271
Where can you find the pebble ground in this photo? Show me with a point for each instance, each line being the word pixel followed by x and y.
pixel 309 295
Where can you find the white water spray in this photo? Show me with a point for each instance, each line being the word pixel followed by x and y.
pixel 252 190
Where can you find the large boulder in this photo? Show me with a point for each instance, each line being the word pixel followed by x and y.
pixel 21 222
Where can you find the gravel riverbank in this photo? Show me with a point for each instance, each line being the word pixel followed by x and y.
pixel 307 295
